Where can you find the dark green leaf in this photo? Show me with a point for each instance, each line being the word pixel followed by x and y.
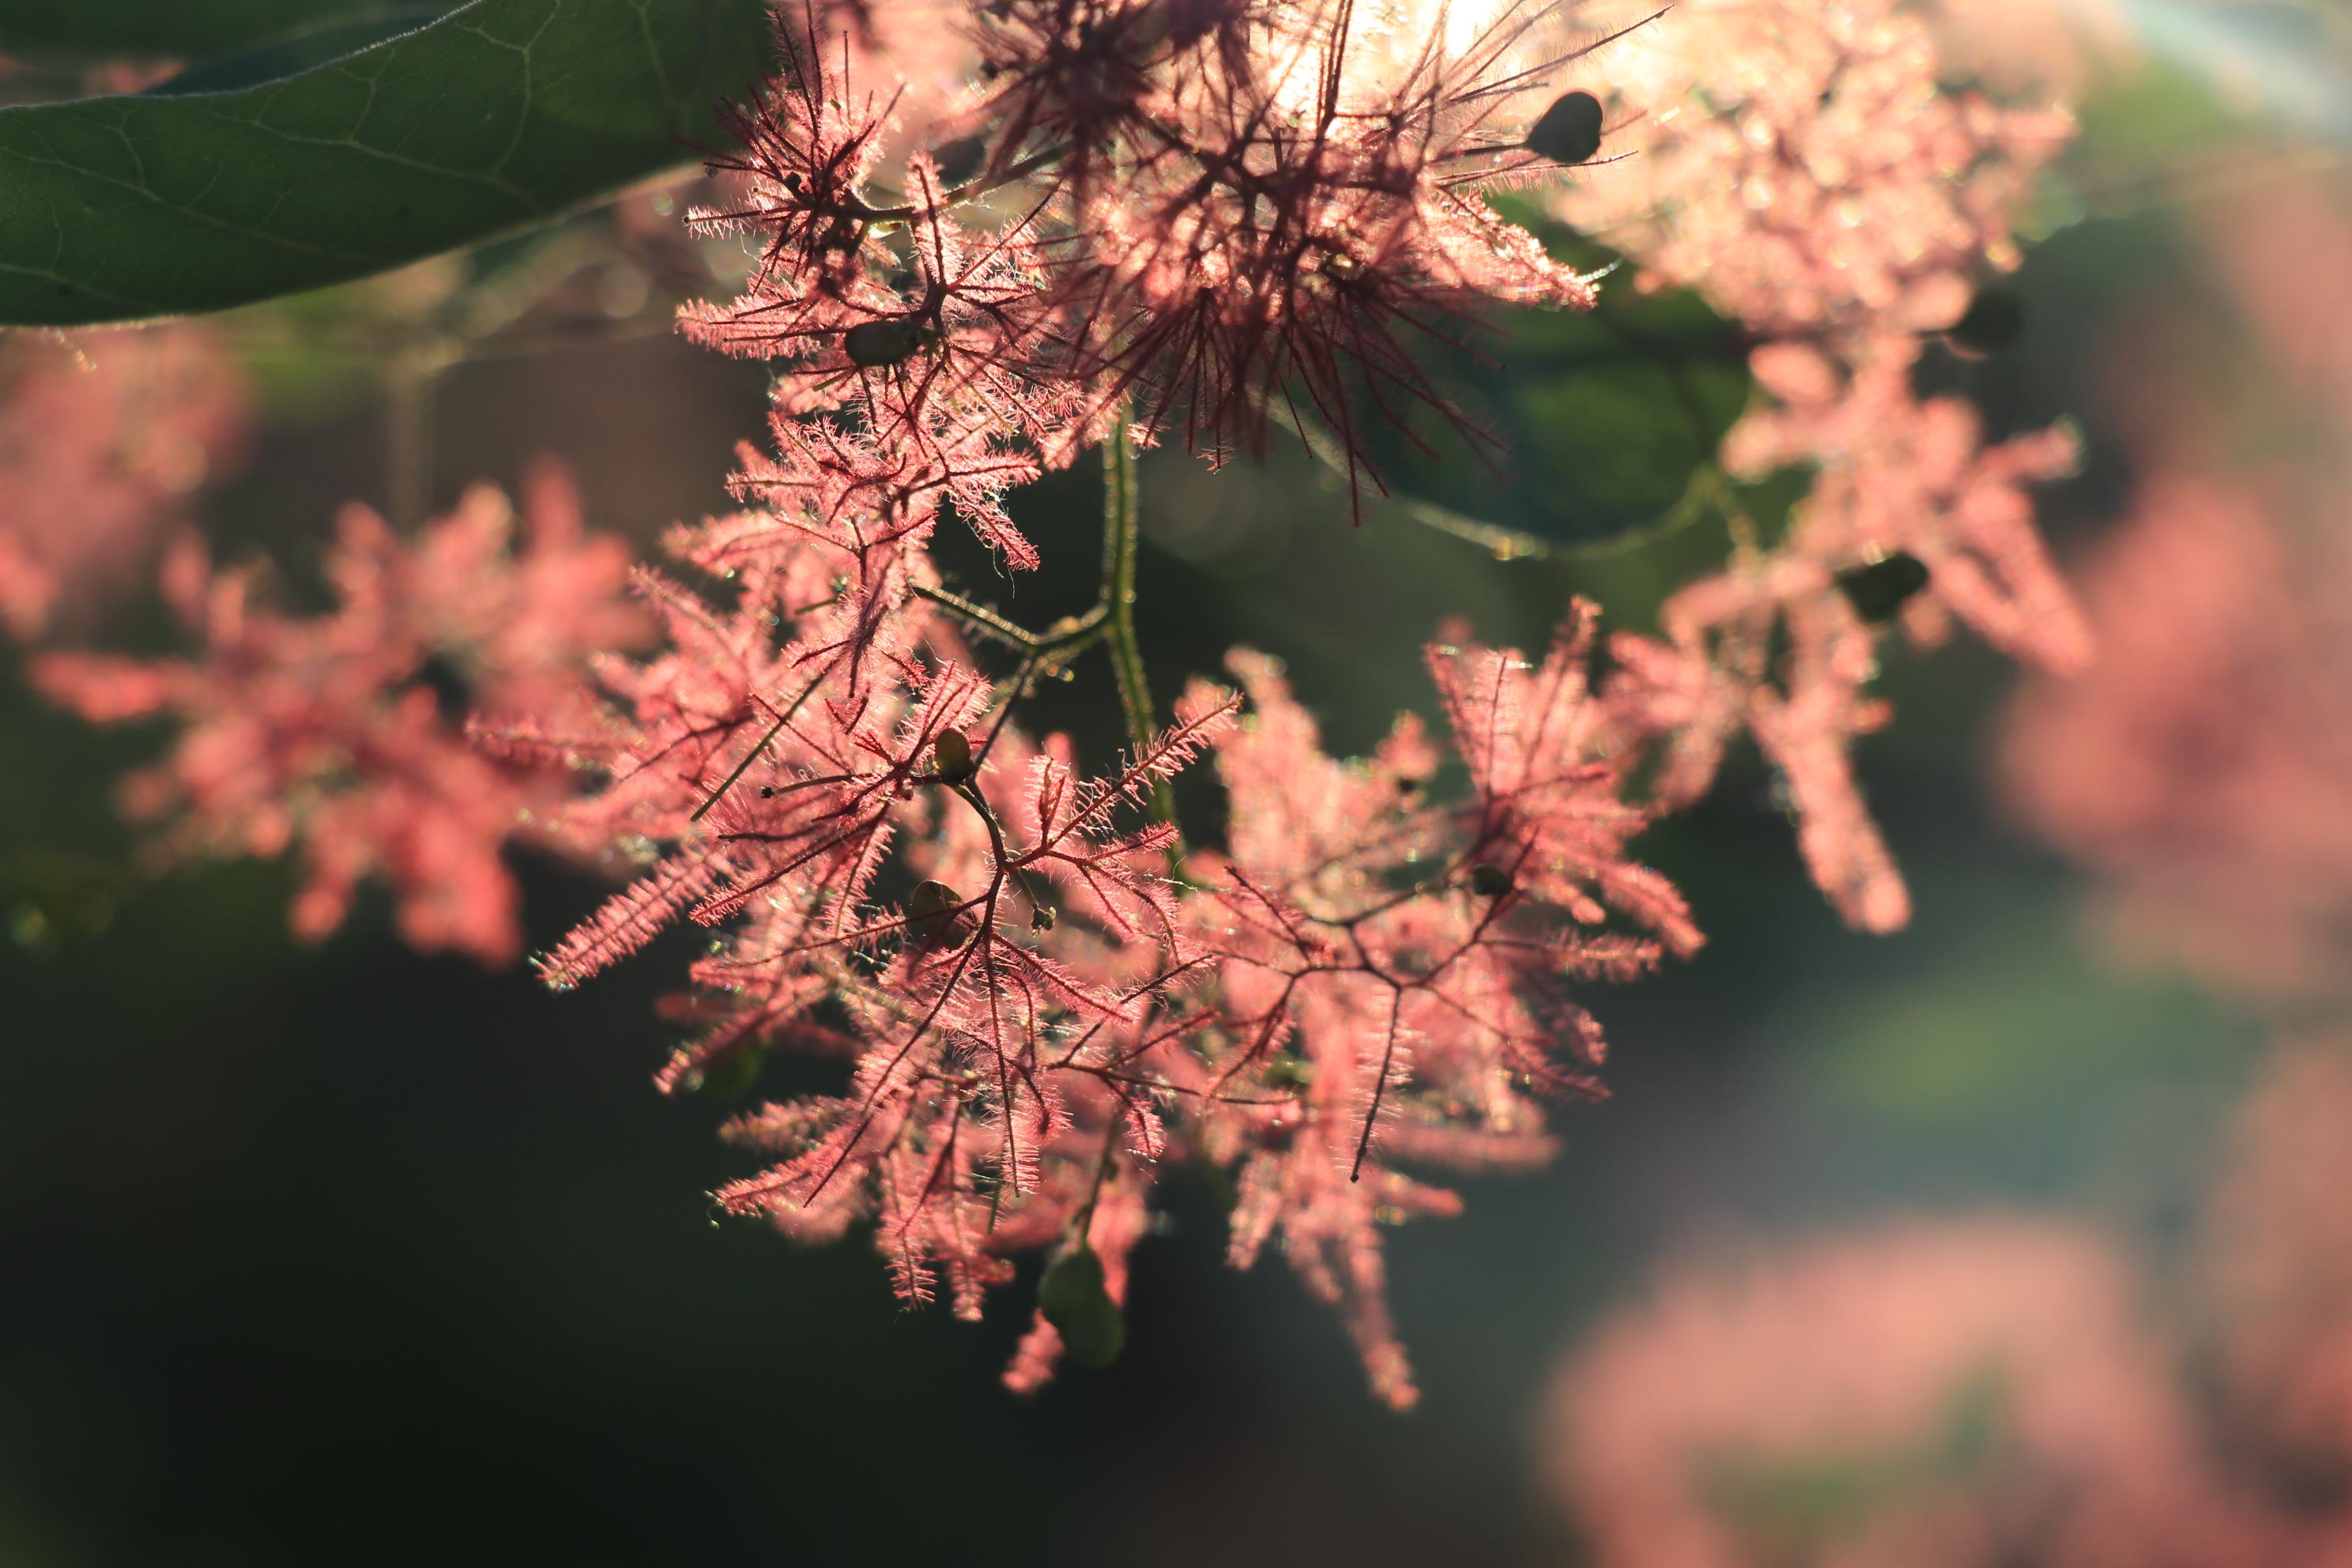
pixel 1601 419
pixel 178 28
pixel 296 53
pixel 502 114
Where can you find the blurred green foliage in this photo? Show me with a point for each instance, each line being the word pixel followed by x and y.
pixel 502 114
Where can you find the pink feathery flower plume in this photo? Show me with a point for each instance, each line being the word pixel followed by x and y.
pixel 1204 211
pixel 101 443
pixel 2201 769
pixel 1036 1017
pixel 1393 978
pixel 1803 168
pixel 1204 218
pixel 341 735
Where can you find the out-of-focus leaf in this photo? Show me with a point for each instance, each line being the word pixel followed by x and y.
pixel 502 114
pixel 182 28
pixel 1602 420
pixel 1075 1300
pixel 296 53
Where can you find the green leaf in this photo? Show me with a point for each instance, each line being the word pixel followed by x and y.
pixel 295 53
pixel 502 114
pixel 186 28
pixel 1602 420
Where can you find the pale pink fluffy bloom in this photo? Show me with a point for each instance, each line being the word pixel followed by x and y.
pixel 340 735
pixel 1801 164
pixel 2276 1261
pixel 2048 46
pixel 2284 253
pixel 1897 472
pixel 1776 645
pixel 2203 768
pixel 101 442
pixel 1955 1393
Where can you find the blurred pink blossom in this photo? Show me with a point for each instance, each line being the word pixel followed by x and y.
pixel 342 734
pixel 2202 767
pixel 101 443
pixel 1803 165
pixel 1930 1395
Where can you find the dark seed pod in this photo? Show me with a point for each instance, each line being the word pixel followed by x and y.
pixel 951 757
pixel 1075 1299
pixel 1994 320
pixel 1569 130
pixel 1879 589
pixel 934 918
pixel 872 344
pixel 1489 881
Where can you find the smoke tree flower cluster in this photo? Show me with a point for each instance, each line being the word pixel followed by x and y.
pixel 1997 1388
pixel 343 734
pixel 988 238
pixel 1802 168
pixel 1184 215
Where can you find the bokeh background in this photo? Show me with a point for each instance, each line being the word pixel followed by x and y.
pixel 339 1254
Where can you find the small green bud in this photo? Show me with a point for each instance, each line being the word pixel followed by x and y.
pixel 726 1080
pixel 1489 881
pixel 934 918
pixel 872 344
pixel 951 757
pixel 1289 1072
pixel 1075 1299
pixel 1878 589
pixel 1569 130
